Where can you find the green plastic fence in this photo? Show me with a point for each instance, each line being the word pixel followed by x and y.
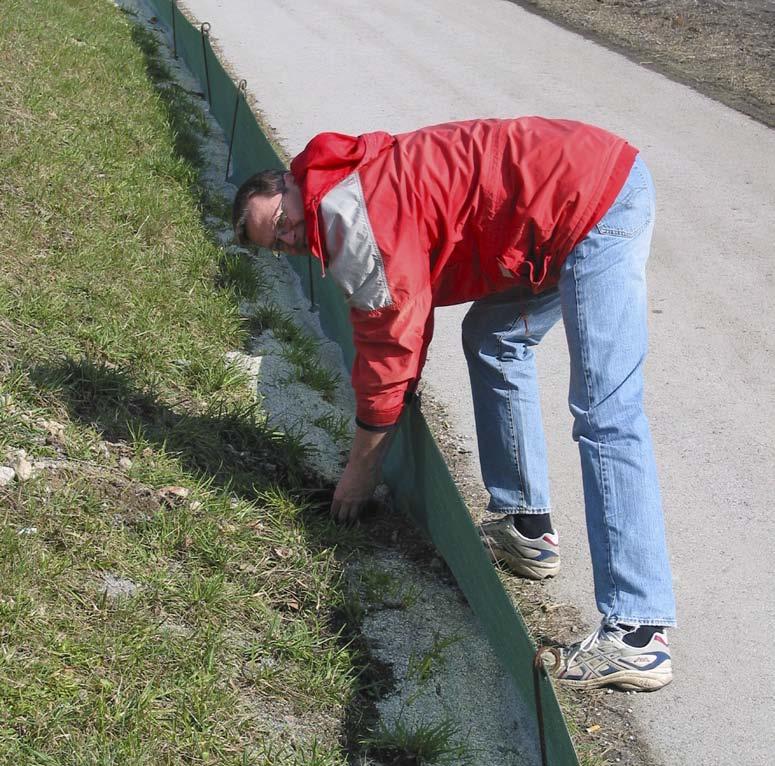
pixel 415 470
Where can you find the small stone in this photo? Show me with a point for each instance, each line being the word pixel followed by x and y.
pixel 195 506
pixel 382 494
pixel 55 430
pixel 28 531
pixel 22 467
pixel 117 587
pixel 7 475
pixel 125 464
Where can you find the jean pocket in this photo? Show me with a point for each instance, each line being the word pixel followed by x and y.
pixel 630 214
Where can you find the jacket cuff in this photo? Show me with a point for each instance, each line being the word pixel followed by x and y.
pixel 378 429
pixel 377 420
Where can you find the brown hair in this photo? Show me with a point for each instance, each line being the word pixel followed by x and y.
pixel 265 182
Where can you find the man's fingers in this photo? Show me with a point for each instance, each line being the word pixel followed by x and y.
pixel 335 506
pixel 354 512
pixel 345 512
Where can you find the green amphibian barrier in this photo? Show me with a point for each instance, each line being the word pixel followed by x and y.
pixel 415 470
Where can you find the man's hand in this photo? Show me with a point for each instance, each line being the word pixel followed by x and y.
pixel 354 490
pixel 361 475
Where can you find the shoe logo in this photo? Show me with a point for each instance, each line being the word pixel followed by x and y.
pixel 646 661
pixel 642 659
pixel 659 637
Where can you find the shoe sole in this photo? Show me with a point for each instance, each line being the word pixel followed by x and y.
pixel 532 570
pixel 624 680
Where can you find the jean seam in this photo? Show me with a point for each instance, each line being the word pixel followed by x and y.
pixel 601 463
pixel 605 486
pixel 515 446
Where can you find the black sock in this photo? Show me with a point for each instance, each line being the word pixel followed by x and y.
pixel 641 635
pixel 533 524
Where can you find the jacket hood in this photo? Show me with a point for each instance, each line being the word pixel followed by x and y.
pixel 326 160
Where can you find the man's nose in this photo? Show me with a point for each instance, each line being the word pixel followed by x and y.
pixel 288 237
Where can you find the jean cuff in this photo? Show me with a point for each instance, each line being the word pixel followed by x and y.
pixel 636 622
pixel 519 510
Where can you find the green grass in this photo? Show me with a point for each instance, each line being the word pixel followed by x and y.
pixel 239 274
pixel 338 426
pixel 116 311
pixel 379 587
pixel 403 744
pixel 423 666
pixel 299 348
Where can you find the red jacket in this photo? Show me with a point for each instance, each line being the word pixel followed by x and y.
pixel 443 215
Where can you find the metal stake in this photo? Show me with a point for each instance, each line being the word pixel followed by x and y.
pixel 205 29
pixel 174 32
pixel 311 286
pixel 243 84
pixel 538 668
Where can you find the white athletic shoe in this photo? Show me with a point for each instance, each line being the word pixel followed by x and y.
pixel 603 658
pixel 534 558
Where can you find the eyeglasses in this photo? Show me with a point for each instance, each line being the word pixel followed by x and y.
pixel 280 224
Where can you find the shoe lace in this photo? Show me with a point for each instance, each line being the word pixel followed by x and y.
pixel 593 638
pixel 575 652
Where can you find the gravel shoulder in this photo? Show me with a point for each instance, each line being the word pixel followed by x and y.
pixel 725 49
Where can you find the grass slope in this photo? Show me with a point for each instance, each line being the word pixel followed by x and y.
pixel 165 596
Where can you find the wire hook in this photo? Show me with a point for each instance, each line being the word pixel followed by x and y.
pixel 205 30
pixel 241 89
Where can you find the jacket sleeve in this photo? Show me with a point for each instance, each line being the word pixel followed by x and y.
pixel 375 258
pixel 391 345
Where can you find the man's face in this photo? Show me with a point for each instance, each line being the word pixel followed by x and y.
pixel 278 222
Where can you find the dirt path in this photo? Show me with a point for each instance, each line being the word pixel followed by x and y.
pixel 722 48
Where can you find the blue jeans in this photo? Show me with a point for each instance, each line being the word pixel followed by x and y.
pixel 601 297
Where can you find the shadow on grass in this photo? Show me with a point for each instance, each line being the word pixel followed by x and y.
pixel 186 120
pixel 227 445
pixel 232 449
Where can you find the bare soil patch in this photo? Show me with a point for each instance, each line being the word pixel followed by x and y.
pixel 722 48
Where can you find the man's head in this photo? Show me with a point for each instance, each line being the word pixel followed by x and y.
pixel 268 211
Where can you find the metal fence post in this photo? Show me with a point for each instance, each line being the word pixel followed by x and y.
pixel 205 29
pixel 243 84
pixel 174 30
